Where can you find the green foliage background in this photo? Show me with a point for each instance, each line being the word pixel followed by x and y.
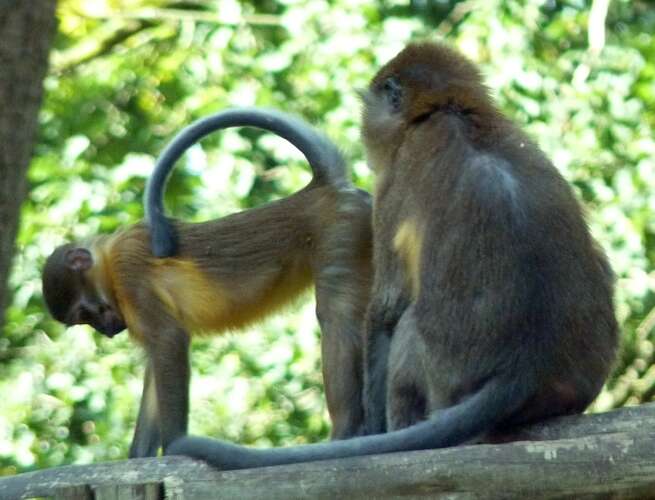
pixel 127 74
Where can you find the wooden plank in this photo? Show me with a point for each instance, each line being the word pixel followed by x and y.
pixel 148 491
pixel 82 492
pixel 617 466
pixel 45 482
pixel 180 470
pixel 628 419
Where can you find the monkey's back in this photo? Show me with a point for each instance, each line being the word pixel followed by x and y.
pixel 236 270
pixel 508 267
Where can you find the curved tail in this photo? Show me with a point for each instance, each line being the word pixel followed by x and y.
pixel 327 163
pixel 491 405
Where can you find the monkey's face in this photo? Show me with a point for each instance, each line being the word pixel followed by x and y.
pixel 90 310
pixel 382 123
pixel 395 101
pixel 72 294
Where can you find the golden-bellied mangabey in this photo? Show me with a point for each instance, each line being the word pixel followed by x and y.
pixel 491 303
pixel 225 274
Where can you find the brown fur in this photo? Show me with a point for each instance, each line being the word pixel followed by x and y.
pixel 505 256
pixel 491 304
pixel 229 273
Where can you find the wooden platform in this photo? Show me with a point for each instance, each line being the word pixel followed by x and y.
pixel 609 455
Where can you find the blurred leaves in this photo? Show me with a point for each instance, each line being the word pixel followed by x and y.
pixel 127 74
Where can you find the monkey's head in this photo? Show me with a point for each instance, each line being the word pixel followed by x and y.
pixel 73 295
pixel 422 79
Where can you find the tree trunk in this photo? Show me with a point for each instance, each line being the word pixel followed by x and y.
pixel 26 29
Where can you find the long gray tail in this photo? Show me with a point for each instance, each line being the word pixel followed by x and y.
pixel 327 163
pixel 483 411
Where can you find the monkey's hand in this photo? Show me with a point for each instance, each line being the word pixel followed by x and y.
pixel 219 454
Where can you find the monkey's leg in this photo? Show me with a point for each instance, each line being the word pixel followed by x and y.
pixel 147 438
pixel 343 271
pixel 384 312
pixel 341 323
pixel 406 394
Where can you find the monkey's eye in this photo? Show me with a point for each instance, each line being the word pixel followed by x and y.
pixel 393 92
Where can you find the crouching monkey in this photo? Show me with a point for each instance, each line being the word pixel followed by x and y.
pixel 225 274
pixel 491 303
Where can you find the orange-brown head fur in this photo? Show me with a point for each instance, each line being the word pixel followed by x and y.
pixel 422 79
pixel 433 76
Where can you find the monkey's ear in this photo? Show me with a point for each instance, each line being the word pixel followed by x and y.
pixel 78 259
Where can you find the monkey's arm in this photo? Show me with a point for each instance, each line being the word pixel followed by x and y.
pixel 170 360
pixel 164 410
pixel 147 438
